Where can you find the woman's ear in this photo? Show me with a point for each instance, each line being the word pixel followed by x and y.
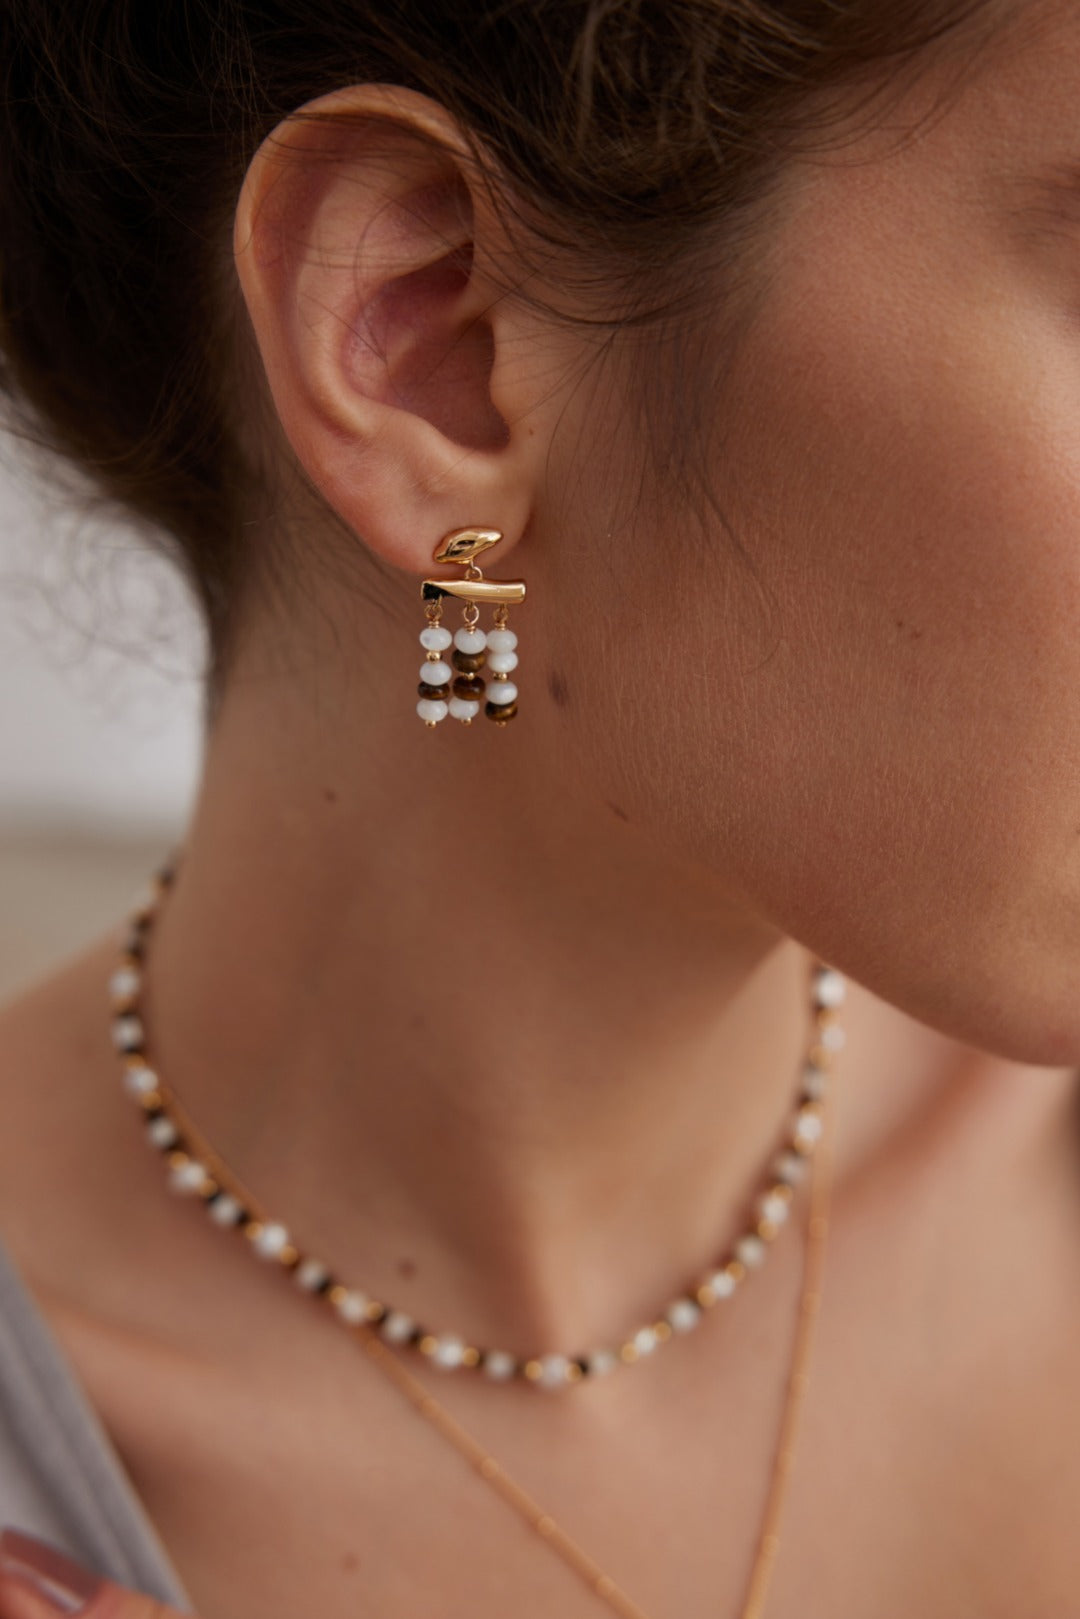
pixel 361 238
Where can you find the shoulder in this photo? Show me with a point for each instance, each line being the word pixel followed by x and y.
pixel 56 1066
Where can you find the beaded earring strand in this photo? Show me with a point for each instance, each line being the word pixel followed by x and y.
pixel 456 688
pixel 195 1169
pixel 828 995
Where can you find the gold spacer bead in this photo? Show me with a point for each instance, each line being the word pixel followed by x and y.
pixel 821 1057
pixel 428 1344
pixel 533 1370
pixel 782 1190
pixel 705 1296
pixel 177 1160
pixel 289 1255
pixel 628 1353
pixel 150 1100
pixel 337 1294
pixel 254 1229
pixel 373 1309
pixel 574 1374
pixel 662 1330
pixel 470 1356
pixel 767 1230
pixel 736 1269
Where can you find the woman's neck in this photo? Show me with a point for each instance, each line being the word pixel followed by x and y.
pixel 490 1052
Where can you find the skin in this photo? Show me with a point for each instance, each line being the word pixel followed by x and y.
pixel 507 1024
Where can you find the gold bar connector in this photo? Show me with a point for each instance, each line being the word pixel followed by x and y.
pixel 510 591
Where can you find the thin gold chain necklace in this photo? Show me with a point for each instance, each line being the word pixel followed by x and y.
pixel 191 1157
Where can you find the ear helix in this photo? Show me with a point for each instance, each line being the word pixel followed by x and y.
pixel 457 687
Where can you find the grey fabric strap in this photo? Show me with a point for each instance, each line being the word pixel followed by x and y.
pixel 60 1477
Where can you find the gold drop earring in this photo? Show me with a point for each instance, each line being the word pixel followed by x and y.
pixel 458 687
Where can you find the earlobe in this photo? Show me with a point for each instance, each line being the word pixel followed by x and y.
pixel 355 246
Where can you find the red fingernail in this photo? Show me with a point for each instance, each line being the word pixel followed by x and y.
pixel 64 1586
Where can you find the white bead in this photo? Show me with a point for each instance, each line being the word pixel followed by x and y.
pixel 188 1177
pixel 140 1080
pixel 145 900
pixel 225 1210
pixel 397 1327
pixel 833 1037
pixel 448 1351
pixel 815 1082
pixel 501 663
pixel 127 1032
pixel 789 1167
pixel 471 641
pixel 554 1370
pixel 435 638
pixel 501 691
pixel 498 1365
pixel 751 1250
pixel 808 1126
pixel 432 708
pixel 774 1208
pixel 351 1306
pixel 270 1240
pixel 645 1340
pixel 464 708
pixel 162 1132
pixel 684 1314
pixel 722 1283
pixel 602 1361
pixel 124 983
pixel 436 673
pixel 829 988
pixel 501 640
pixel 311 1274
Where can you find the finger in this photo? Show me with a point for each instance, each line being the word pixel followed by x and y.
pixel 38 1582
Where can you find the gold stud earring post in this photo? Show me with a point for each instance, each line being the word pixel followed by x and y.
pixel 463 546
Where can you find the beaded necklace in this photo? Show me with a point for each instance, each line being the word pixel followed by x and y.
pixel 195 1169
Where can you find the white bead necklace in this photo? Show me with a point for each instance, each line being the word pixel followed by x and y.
pixel 196 1170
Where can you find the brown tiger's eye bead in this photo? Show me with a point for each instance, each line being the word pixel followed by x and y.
pixel 500 711
pixel 469 686
pixel 433 691
pixel 467 662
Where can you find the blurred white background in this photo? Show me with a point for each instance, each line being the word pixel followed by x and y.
pixel 100 653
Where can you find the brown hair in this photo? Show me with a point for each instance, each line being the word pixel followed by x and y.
pixel 126 128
